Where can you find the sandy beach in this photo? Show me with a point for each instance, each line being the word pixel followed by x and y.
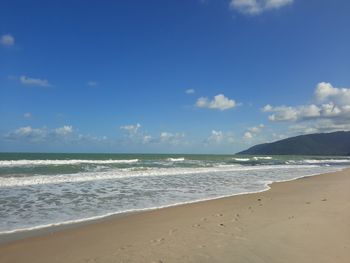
pixel 305 220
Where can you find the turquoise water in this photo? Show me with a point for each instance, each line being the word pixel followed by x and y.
pixel 40 190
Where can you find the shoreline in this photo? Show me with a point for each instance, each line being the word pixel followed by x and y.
pixel 19 234
pixel 302 220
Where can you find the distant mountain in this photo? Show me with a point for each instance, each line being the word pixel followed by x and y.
pixel 335 143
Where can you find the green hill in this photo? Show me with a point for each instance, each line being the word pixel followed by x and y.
pixel 335 143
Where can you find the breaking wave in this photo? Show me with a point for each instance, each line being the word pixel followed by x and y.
pixel 17 163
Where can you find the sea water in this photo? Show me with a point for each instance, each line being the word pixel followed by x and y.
pixel 42 190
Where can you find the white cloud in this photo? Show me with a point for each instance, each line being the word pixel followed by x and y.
pixel 218 137
pixel 253 132
pixel 329 112
pixel 255 7
pixel 256 129
pixel 27 133
pixel 279 136
pixel 136 136
pixel 92 83
pixel 281 113
pixel 147 139
pixel 172 138
pixel 34 82
pixel 27 115
pixel 331 103
pixel 131 129
pixel 44 134
pixel 320 126
pixel 247 135
pixel 220 102
pixel 309 111
pixel 65 130
pixel 326 92
pixel 190 91
pixel 7 40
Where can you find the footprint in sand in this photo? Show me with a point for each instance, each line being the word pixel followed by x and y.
pixel 201 246
pixel 122 248
pixel 157 241
pixel 204 219
pixel 196 225
pixel 219 215
pixel 324 199
pixel 172 231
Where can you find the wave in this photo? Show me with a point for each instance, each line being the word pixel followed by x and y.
pixel 176 159
pixel 15 163
pixel 241 159
pixel 262 158
pixel 266 185
pixel 127 173
pixel 255 158
pixel 318 161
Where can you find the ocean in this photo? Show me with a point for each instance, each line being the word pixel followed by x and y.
pixel 40 190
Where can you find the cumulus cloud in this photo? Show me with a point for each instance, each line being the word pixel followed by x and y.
pixel 326 92
pixel 256 129
pixel 135 135
pixel 218 137
pixel 132 129
pixel 319 126
pixel 34 81
pixel 44 134
pixel 172 138
pixel 255 7
pixel 251 132
pixel 331 104
pixel 65 130
pixel 219 102
pixel 27 133
pixel 147 139
pixel 190 91
pixel 7 40
pixel 247 135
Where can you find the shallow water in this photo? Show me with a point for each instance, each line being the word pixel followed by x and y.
pixel 39 190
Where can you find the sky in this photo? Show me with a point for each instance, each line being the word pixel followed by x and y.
pixel 191 76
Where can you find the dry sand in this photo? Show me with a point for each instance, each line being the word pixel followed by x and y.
pixel 306 220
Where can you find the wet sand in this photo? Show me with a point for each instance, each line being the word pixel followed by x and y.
pixel 305 220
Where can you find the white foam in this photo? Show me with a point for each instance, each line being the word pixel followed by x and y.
pixel 319 161
pixel 262 158
pixel 176 159
pixel 124 173
pixel 265 187
pixel 14 163
pixel 241 159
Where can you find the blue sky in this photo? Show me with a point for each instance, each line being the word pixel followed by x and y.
pixel 194 76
